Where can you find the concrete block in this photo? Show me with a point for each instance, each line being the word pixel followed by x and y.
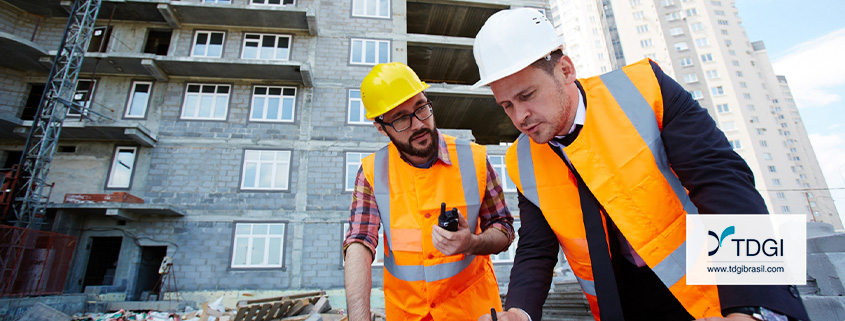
pixel 826 244
pixel 816 229
pixel 820 268
pixel 42 312
pixel 825 307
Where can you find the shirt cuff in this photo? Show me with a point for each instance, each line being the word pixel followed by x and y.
pixel 365 244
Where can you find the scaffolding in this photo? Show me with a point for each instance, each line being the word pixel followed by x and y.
pixel 33 262
pixel 52 110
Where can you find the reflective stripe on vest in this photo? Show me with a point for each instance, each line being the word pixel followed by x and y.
pixel 381 191
pixel 642 117
pixel 588 286
pixel 672 268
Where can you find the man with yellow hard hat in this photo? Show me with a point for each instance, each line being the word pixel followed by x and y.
pixel 430 273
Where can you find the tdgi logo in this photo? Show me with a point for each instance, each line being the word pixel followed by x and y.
pixel 728 231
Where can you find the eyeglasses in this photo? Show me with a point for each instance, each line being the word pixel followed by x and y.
pixel 402 123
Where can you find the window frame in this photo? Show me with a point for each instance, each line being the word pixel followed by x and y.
pixel 261 42
pixel 364 42
pixel 347 173
pixel 245 163
pixel 215 94
pixel 130 100
pixel 282 99
pixel 362 110
pixel 283 242
pixel 110 184
pixel 504 179
pixel 280 4
pixel 696 94
pixel 378 8
pixel 210 32
pixel 86 93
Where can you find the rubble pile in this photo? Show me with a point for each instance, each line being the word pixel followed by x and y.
pixel 310 306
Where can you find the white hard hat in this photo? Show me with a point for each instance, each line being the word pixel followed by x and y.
pixel 510 41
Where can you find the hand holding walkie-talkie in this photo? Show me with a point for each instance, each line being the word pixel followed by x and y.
pixel 448 220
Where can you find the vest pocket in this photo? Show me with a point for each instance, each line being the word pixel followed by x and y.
pixel 407 240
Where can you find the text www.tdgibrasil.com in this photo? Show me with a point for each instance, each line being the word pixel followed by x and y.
pixel 739 269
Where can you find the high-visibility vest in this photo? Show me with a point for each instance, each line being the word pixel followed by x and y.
pixel 621 158
pixel 418 279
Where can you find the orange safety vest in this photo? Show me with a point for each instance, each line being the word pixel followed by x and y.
pixel 420 282
pixel 621 158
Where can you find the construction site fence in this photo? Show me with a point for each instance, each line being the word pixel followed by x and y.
pixel 33 262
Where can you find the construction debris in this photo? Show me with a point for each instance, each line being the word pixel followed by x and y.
pixel 309 306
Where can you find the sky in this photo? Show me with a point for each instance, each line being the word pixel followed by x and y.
pixel 806 42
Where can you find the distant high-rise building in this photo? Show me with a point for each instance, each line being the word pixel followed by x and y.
pixel 703 45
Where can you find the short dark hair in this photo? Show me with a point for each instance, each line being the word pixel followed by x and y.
pixel 548 65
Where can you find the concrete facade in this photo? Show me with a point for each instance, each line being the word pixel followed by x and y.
pixel 191 172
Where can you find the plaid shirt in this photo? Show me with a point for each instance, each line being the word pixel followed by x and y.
pixel 364 219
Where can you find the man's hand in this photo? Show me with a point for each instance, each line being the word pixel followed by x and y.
pixel 461 241
pixel 512 314
pixel 731 317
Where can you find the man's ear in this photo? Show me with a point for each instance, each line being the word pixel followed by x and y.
pixel 380 128
pixel 565 65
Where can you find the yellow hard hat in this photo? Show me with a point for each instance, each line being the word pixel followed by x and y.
pixel 387 86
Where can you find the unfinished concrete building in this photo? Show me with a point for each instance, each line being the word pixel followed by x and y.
pixel 226 133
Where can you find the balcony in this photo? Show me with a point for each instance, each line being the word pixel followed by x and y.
pixel 83 129
pixel 176 13
pixel 440 38
pixel 163 67
pixel 460 107
pixel 22 54
pixel 119 205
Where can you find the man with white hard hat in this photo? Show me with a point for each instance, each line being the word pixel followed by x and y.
pixel 430 273
pixel 608 167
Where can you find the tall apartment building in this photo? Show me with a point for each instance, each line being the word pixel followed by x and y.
pixel 702 45
pixel 238 123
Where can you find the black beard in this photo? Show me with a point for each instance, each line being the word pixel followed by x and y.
pixel 426 152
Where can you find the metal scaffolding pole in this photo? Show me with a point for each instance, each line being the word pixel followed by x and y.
pixel 52 110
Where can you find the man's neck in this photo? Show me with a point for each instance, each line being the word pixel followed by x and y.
pixel 419 162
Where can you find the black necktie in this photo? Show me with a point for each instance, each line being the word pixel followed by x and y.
pixel 607 293
pixel 569 138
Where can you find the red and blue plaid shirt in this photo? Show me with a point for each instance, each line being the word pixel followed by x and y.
pixel 364 219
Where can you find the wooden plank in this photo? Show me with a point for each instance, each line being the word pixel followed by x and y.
pixel 297 307
pixel 242 311
pixel 283 310
pixel 274 309
pixel 262 313
pixel 253 310
pixel 321 306
pixel 283 298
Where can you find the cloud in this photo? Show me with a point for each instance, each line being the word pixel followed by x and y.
pixel 815 70
pixel 830 152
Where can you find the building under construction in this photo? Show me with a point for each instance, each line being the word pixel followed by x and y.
pixel 222 133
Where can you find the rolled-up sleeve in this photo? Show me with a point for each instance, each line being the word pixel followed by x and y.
pixel 494 212
pixel 364 216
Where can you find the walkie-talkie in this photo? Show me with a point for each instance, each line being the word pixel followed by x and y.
pixel 448 220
